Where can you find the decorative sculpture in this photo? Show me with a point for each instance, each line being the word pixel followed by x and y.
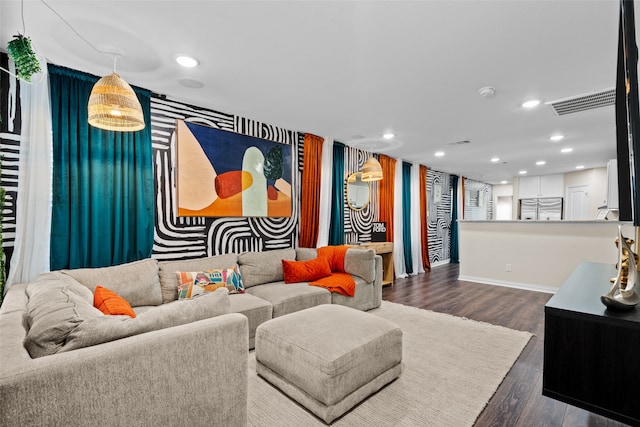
pixel 624 292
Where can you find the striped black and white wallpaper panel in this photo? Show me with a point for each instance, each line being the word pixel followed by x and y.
pixel 439 216
pixel 10 126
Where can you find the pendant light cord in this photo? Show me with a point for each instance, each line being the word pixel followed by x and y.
pixel 73 29
pixel 24 30
pixel 24 27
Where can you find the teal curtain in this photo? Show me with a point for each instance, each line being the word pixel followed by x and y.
pixel 336 228
pixel 406 216
pixel 454 259
pixel 103 191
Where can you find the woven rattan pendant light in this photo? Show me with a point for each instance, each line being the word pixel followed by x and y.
pixel 113 105
pixel 371 170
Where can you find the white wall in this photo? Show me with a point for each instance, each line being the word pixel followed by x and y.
pixel 541 254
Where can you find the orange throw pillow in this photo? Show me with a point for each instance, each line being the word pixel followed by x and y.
pixel 305 271
pixel 335 256
pixel 109 302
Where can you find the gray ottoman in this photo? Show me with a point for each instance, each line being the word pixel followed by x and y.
pixel 329 358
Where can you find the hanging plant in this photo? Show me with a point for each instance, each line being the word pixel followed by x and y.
pixel 22 54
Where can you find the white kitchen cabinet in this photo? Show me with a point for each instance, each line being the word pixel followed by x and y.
pixel 541 186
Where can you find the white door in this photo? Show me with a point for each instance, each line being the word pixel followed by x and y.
pixel 578 203
pixel 504 207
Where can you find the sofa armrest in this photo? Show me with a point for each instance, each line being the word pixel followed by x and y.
pixel 377 283
pixel 193 374
pixel 361 263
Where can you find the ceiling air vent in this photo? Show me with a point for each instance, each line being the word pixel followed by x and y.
pixel 466 141
pixel 586 102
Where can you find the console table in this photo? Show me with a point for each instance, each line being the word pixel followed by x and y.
pixel 385 250
pixel 591 353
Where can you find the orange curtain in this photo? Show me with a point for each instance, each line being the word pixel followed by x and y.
pixel 385 187
pixel 310 195
pixel 424 233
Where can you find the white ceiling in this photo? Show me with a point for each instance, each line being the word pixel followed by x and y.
pixel 358 69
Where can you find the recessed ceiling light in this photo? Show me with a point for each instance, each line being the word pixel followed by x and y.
pixel 187 61
pixel 566 150
pixel 531 103
pixel 388 136
pixel 522 172
pixel 541 163
pixel 439 153
pixel 503 182
pixel 556 138
pixel 580 167
pixel 495 159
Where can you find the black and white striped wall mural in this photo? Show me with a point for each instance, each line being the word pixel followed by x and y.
pixel 192 237
pixel 10 126
pixel 439 216
pixel 357 224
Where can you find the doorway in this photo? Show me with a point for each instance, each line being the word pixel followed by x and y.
pixel 504 208
pixel 578 203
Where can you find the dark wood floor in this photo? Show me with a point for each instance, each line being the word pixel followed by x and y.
pixel 518 401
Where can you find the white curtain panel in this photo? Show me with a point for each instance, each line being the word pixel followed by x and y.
pixel 326 185
pixel 416 240
pixel 33 206
pixel 398 247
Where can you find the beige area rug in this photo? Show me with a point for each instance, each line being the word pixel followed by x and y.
pixel 451 368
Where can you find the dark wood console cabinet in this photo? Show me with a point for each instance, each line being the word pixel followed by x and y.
pixel 592 354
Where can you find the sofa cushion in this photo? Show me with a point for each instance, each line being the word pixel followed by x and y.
pixel 111 303
pixel 55 307
pixel 137 281
pixel 288 298
pixel 305 271
pixel 100 329
pixel 363 299
pixel 305 254
pixel 256 309
pixel 168 269
pixel 258 268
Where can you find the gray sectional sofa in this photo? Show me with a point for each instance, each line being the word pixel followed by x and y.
pixel 62 362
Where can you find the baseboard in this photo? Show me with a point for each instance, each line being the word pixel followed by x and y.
pixel 516 285
pixel 440 263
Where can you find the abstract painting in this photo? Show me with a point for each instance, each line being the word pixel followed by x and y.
pixel 222 174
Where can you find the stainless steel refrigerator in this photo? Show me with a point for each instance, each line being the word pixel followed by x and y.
pixel 542 209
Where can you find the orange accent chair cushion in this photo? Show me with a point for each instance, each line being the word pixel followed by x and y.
pixel 305 271
pixel 109 302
